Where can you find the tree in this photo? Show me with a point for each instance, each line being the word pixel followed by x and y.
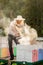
pixel 34 14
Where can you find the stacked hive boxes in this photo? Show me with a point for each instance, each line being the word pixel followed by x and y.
pixel 40 54
pixel 4 49
pixel 29 53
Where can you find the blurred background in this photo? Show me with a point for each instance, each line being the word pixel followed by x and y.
pixel 32 10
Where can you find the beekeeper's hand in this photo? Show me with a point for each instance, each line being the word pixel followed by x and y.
pixel 17 34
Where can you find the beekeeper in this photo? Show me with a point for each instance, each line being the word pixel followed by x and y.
pixel 14 33
pixel 20 32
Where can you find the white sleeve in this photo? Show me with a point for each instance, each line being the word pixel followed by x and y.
pixel 12 29
pixel 12 24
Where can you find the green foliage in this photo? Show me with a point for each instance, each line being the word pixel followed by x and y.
pixel 14 64
pixel 2 33
pixel 34 14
